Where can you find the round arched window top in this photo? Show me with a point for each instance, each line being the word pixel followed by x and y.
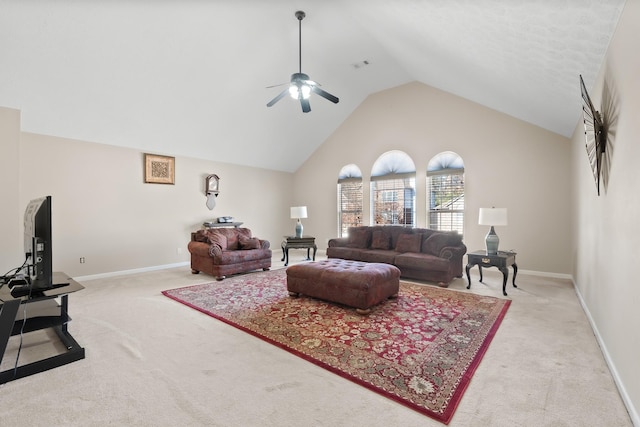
pixel 393 162
pixel 447 160
pixel 350 172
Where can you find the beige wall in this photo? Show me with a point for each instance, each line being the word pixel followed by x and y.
pixel 607 229
pixel 104 212
pixel 10 220
pixel 508 163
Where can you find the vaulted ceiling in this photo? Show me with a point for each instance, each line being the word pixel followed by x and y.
pixel 190 77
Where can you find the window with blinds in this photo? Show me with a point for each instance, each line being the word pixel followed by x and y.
pixel 445 198
pixel 393 201
pixel 393 189
pixel 349 199
pixel 349 205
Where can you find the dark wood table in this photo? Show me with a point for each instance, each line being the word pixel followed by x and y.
pixel 501 260
pixel 293 242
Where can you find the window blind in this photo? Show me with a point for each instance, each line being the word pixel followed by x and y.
pixel 349 205
pixel 393 201
pixel 446 200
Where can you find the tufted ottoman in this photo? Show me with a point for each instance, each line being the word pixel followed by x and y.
pixel 353 283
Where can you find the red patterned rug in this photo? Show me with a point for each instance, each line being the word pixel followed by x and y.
pixel 420 349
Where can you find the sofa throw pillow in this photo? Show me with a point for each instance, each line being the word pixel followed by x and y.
pixel 358 238
pixel 243 232
pixel 247 243
pixel 380 240
pixel 433 244
pixel 232 241
pixel 409 243
pixel 217 240
pixel 201 236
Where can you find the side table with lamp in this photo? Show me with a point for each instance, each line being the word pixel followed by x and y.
pixel 298 241
pixel 491 257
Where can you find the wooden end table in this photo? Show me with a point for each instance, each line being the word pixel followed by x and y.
pixel 293 242
pixel 501 260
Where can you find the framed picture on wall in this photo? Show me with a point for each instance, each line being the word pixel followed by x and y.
pixel 159 169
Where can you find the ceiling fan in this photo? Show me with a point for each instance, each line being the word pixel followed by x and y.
pixel 300 86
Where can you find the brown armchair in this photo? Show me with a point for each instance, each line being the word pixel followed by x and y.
pixel 224 251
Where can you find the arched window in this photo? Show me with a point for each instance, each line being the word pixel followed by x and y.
pixel 445 197
pixel 349 198
pixel 393 189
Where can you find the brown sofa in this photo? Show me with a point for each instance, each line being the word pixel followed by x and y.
pixel 419 253
pixel 224 251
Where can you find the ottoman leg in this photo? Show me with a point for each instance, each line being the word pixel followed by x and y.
pixel 362 311
pixel 294 294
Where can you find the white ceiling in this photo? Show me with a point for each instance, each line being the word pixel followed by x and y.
pixel 189 77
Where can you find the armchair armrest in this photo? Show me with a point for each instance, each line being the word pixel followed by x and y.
pixel 198 248
pixel 453 252
pixel 338 242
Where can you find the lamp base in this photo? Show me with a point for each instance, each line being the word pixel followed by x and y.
pixel 298 229
pixel 492 242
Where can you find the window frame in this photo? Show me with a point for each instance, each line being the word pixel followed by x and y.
pixel 397 185
pixel 445 188
pixel 343 226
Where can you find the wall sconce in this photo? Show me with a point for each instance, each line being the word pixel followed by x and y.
pixel 212 189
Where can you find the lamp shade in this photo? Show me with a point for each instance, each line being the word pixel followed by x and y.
pixel 298 212
pixel 492 216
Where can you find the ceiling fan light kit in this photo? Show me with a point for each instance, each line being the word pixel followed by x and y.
pixel 301 86
pixel 298 89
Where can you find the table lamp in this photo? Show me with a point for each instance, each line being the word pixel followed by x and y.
pixel 298 212
pixel 492 217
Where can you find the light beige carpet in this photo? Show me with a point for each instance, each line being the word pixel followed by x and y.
pixel 152 362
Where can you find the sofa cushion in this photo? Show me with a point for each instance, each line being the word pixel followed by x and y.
pixel 359 237
pixel 380 240
pixel 378 255
pixel 344 252
pixel 409 243
pixel 422 261
pixel 235 257
pixel 246 243
pixel 436 241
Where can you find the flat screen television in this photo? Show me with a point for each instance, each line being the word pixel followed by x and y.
pixel 37 244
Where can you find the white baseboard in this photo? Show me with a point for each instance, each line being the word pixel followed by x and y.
pixel 134 271
pixel 546 274
pixel 633 412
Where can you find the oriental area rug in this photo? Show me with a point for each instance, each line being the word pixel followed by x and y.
pixel 419 349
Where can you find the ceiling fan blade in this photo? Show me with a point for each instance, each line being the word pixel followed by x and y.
pixel 278 85
pixel 306 107
pixel 278 98
pixel 324 94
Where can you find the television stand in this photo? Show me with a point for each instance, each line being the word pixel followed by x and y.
pixel 43 311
